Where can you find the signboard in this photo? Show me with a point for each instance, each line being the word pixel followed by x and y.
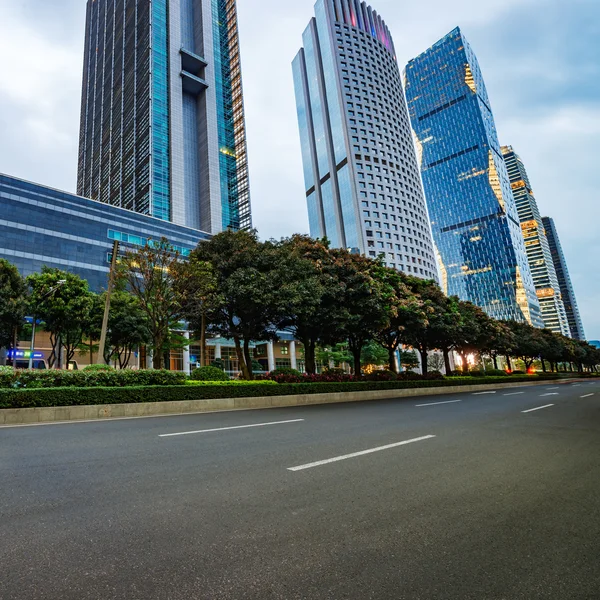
pixel 12 354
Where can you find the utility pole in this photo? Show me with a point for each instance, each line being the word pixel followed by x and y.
pixel 111 277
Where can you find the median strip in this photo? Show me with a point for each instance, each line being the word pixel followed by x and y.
pixel 538 408
pixel 320 463
pixel 165 435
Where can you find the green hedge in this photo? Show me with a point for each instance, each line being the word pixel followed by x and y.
pixel 85 379
pixel 70 396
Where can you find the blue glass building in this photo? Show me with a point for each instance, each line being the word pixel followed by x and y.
pixel 40 226
pixel 564 280
pixel 162 119
pixel 362 182
pixel 475 223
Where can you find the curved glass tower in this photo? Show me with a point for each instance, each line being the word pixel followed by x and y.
pixel 363 186
pixel 475 222
pixel 162 117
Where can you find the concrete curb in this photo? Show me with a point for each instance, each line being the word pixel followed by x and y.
pixel 26 416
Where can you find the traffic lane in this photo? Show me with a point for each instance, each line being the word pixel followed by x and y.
pixel 488 513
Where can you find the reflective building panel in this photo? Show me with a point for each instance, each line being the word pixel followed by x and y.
pixel 40 226
pixel 564 280
pixel 361 174
pixel 536 245
pixel 162 117
pixel 475 222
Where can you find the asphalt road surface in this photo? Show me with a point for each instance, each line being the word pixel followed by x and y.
pixel 494 496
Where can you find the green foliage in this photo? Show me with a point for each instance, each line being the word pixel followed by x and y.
pixel 257 367
pixel 381 376
pixel 218 363
pixel 13 303
pixel 409 359
pixel 63 307
pixel 82 379
pixel 375 354
pixel 148 273
pixel 28 398
pixel 232 382
pixel 285 371
pixel 96 368
pixel 209 374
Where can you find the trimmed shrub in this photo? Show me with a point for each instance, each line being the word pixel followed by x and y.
pixel 381 376
pixel 434 376
pixel 496 373
pixel 97 368
pixel 71 396
pixel 476 373
pixel 85 379
pixel 518 373
pixel 209 374
pixel 286 375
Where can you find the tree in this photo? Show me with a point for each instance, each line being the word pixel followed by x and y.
pixel 253 295
pixel 199 296
pixel 337 354
pixel 13 303
pixel 64 312
pixel 92 327
pixel 148 273
pixel 366 302
pixel 314 313
pixel 409 360
pixel 498 341
pixel 128 328
pixel 406 310
pixel 374 354
pixel 529 342
pixel 471 332
pixel 439 328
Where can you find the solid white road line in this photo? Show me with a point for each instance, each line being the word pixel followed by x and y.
pixel 550 394
pixel 588 395
pixel 538 408
pixel 482 393
pixel 554 388
pixel 514 394
pixel 355 454
pixel 165 435
pixel 436 403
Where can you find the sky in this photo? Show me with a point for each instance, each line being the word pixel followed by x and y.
pixel 540 60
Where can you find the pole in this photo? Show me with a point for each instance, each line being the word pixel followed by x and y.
pixel 32 346
pixel 113 264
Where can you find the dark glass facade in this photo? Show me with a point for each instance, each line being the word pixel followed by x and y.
pixel 475 223
pixel 536 245
pixel 564 280
pixel 41 226
pixel 162 118
pixel 362 182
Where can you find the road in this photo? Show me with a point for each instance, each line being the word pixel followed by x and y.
pixel 452 497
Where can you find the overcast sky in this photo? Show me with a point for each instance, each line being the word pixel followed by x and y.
pixel 540 60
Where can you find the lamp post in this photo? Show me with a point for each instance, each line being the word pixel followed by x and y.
pixel 48 293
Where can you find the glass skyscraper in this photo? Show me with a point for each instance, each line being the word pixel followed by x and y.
pixel 475 222
pixel 536 245
pixel 564 280
pixel 162 119
pixel 363 187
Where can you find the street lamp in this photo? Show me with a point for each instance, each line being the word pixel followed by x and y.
pixel 48 293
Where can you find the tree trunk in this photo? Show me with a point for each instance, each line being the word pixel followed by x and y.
pixel 356 352
pixel 203 341
pixel 392 359
pixel 310 363
pixel 240 356
pixel 248 359
pixel 465 362
pixel 495 359
pixel 424 361
pixel 447 365
pixel 157 357
pixel 509 363
pixel 543 364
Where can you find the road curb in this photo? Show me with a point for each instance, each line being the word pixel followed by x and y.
pixel 27 416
